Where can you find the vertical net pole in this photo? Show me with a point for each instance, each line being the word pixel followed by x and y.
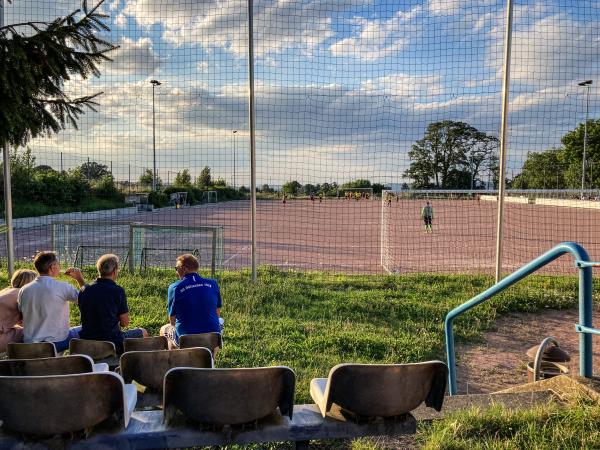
pixel 505 98
pixel 7 191
pixel 252 137
pixel 131 250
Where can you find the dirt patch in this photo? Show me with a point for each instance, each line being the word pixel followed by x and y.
pixel 500 362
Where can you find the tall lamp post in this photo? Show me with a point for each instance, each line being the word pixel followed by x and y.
pixel 234 183
pixel 586 83
pixel 154 84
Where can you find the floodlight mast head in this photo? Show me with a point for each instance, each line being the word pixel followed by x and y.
pixel 155 82
pixel 586 83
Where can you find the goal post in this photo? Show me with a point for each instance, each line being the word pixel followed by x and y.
pixel 209 197
pixel 138 245
pixel 164 242
pixel 463 229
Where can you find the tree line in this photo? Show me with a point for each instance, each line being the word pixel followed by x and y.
pixel 455 155
pixel 562 167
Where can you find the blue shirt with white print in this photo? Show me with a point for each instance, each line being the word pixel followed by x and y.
pixel 193 301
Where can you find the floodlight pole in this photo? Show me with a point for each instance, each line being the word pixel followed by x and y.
pixel 154 84
pixel 234 183
pixel 503 132
pixel 10 254
pixel 252 135
pixel 587 84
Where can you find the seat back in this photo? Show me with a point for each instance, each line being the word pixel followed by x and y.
pixel 145 344
pixel 59 365
pixel 59 404
pixel 148 368
pixel 384 390
pixel 16 350
pixel 228 396
pixel 94 349
pixel 211 341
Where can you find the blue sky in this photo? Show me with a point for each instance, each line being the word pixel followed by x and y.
pixel 343 87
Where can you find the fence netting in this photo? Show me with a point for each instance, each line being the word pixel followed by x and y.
pixel 364 112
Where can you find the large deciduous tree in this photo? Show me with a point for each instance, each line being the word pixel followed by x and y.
pixel 183 179
pixel 93 171
pixel 451 155
pixel 36 58
pixel 560 168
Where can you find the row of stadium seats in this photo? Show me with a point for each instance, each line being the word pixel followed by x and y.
pixel 65 394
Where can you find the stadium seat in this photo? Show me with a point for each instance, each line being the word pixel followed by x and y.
pixel 60 365
pixel 380 390
pixel 148 368
pixel 211 341
pixel 145 344
pixel 220 397
pixel 57 404
pixel 99 351
pixel 30 351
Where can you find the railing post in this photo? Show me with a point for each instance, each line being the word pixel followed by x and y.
pixel 585 319
pixel 451 357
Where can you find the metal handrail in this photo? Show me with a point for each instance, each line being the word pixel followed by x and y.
pixel 582 262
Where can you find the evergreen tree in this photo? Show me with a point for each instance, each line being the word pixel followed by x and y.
pixel 34 68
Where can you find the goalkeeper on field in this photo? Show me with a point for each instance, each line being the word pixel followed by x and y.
pixel 427 216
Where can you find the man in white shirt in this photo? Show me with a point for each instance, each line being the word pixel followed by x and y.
pixel 45 303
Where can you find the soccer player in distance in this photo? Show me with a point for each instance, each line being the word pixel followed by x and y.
pixel 194 303
pixel 427 216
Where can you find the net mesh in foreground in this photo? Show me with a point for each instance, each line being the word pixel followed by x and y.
pixel 463 230
pixel 349 95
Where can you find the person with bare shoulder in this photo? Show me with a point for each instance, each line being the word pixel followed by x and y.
pixel 103 306
pixel 44 303
pixel 10 317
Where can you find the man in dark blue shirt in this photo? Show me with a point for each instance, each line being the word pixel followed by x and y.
pixel 194 303
pixel 103 306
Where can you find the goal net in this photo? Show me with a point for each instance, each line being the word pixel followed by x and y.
pixel 463 228
pixel 138 245
pixel 209 196
pixel 355 193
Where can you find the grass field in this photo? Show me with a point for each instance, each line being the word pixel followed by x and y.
pixel 311 322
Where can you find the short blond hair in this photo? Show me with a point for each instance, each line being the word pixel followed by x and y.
pixel 189 261
pixel 107 264
pixel 22 277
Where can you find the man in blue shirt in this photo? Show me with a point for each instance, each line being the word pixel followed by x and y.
pixel 194 303
pixel 103 306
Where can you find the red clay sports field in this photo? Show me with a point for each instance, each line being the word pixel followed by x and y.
pixel 340 235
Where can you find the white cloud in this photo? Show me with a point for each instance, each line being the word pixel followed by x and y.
pixel 555 50
pixel 216 24
pixel 404 85
pixel 444 7
pixel 378 39
pixel 133 58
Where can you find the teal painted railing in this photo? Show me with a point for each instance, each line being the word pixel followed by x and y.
pixel 582 262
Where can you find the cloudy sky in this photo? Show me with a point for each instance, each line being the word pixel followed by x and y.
pixel 343 87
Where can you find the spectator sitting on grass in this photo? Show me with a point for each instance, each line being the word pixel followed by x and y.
pixel 44 303
pixel 10 317
pixel 194 303
pixel 103 306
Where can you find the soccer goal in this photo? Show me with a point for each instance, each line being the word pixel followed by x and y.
pixel 462 234
pixel 138 245
pixel 209 196
pixel 159 245
pixel 178 199
pixel 355 193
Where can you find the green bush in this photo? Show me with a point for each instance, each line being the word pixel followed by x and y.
pixel 158 199
pixel 105 188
